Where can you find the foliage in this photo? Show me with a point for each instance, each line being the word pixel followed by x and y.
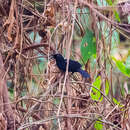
pixel 98 125
pixel 124 68
pixel 43 97
pixel 88 45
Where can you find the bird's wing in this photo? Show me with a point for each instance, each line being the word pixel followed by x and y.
pixel 84 73
pixel 73 63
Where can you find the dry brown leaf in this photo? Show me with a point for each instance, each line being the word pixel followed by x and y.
pixel 50 10
pixel 3 122
pixel 10 21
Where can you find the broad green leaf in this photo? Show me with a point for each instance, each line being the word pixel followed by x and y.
pixel 88 45
pixel 121 66
pixel 98 125
pixel 95 94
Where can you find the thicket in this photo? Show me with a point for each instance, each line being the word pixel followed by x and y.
pixel 35 94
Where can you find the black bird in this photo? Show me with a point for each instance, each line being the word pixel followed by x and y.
pixel 74 66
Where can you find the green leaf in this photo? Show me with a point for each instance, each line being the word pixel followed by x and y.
pixel 122 67
pixel 51 30
pixel 56 101
pixel 116 102
pixel 88 45
pixel 98 125
pixel 117 16
pixel 95 94
pixel 128 17
pixel 101 2
pixel 34 38
pixel 107 87
pixel 85 17
pixel 38 68
pixel 127 65
pixel 109 2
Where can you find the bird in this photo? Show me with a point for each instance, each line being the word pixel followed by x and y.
pixel 73 66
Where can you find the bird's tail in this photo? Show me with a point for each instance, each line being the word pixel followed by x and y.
pixel 83 73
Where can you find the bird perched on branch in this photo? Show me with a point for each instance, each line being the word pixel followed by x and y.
pixel 73 66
